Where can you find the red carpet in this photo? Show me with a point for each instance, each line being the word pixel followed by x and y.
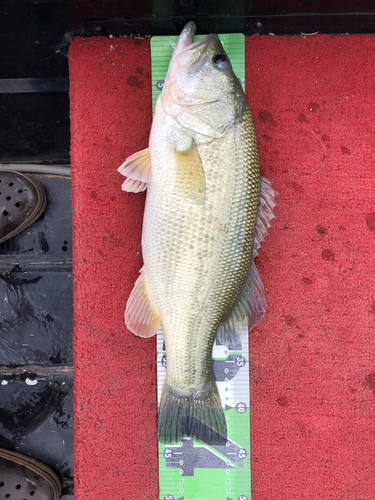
pixel 312 355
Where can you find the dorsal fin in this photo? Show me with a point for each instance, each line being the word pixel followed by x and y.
pixel 251 303
pixel 267 203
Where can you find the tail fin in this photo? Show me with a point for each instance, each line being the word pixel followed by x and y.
pixel 196 415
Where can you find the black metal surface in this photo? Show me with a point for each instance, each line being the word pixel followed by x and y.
pixel 35 37
pixel 31 33
pixel 279 24
pixel 36 367
pixel 26 85
pixel 34 128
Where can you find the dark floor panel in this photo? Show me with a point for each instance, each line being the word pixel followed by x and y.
pixel 36 318
pixel 36 283
pixel 30 35
pixel 36 419
pixel 36 367
pixel 34 127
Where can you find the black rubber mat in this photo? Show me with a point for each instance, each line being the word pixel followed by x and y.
pixel 36 366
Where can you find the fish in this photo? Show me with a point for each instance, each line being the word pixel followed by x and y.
pixel 207 212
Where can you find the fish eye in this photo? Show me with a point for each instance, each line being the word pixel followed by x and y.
pixel 220 60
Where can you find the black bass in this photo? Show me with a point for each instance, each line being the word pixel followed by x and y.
pixel 207 212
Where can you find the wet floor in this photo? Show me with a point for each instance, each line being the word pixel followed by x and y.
pixel 36 365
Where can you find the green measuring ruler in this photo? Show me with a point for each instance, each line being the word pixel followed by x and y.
pixel 192 469
pixel 162 50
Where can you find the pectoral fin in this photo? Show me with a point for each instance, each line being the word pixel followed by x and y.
pixel 140 317
pixel 137 169
pixel 190 176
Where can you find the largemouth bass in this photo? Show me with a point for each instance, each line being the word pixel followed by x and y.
pixel 207 212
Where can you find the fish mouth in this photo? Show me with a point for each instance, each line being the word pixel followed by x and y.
pixel 191 56
pixel 188 57
pixel 186 37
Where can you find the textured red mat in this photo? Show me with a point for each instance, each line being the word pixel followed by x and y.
pixel 312 355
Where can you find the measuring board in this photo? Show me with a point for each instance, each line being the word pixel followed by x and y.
pixel 162 50
pixel 192 469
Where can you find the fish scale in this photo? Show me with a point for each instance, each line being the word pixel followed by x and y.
pixel 237 206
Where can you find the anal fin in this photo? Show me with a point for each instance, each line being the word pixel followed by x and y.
pixel 140 318
pixel 137 169
pixel 267 203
